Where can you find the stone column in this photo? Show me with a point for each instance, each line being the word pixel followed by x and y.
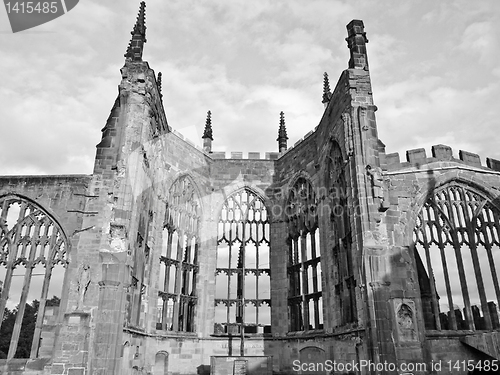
pixel 107 341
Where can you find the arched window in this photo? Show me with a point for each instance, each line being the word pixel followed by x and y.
pixel 33 251
pixel 179 259
pixel 161 363
pixel 305 298
pixel 243 284
pixel 457 257
pixel 340 227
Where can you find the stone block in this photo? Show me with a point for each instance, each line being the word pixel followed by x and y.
pixel 416 156
pixel 392 160
pixel 469 158
pixel 272 155
pixel 218 155
pixel 442 152
pixel 493 164
pixel 236 155
pixel 57 368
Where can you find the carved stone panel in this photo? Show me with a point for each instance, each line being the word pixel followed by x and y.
pixel 404 310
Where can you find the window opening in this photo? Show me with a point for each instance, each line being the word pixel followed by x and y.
pixel 304 261
pixel 457 257
pixel 344 281
pixel 179 259
pixel 243 274
pixel 33 258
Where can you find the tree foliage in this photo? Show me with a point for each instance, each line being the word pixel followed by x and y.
pixel 27 328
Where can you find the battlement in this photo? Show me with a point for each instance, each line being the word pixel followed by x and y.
pixel 233 154
pixel 238 155
pixel 440 153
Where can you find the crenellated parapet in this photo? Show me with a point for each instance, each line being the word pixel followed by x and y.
pixel 418 158
pixel 237 155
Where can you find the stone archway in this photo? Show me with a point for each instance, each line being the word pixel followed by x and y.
pixel 313 358
pixel 161 363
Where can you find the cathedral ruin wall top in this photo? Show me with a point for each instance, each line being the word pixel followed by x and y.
pixel 442 154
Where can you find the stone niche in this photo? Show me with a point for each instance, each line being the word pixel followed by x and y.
pixel 406 325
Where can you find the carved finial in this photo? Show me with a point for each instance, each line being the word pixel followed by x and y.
pixel 207 133
pixel 282 137
pixel 356 41
pixel 158 82
pixel 326 89
pixel 136 45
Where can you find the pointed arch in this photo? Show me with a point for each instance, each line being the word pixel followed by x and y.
pixel 242 300
pixel 161 363
pixel 300 175
pixel 435 183
pixel 237 187
pixel 188 176
pixel 456 240
pixel 30 237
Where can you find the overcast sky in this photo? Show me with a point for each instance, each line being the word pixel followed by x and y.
pixel 434 67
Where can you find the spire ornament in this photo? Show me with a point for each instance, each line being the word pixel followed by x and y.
pixel 282 137
pixel 327 94
pixel 158 82
pixel 136 45
pixel 207 134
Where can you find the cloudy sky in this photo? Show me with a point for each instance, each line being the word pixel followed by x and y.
pixel 434 67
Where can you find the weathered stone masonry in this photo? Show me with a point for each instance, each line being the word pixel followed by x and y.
pixel 142 246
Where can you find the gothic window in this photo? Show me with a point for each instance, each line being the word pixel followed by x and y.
pixel 243 281
pixel 33 252
pixel 305 298
pixel 179 259
pixel 457 258
pixel 340 228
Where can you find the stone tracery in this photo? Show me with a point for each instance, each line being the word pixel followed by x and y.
pixel 458 258
pixel 179 258
pixel 30 238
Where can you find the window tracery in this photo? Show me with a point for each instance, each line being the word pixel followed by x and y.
pixel 344 280
pixel 179 259
pixel 32 245
pixel 243 275
pixel 305 298
pixel 457 256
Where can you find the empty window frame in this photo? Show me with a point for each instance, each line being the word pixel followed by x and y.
pixel 340 228
pixel 33 252
pixel 457 258
pixel 179 260
pixel 243 285
pixel 305 300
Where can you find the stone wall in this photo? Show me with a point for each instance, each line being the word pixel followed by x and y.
pixel 115 219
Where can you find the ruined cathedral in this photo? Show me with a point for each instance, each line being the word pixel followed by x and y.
pixel 176 259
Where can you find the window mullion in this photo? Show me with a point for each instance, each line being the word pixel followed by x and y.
pixel 471 229
pixel 491 261
pixel 435 303
pixel 445 268
pixel 24 296
pixel 41 310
